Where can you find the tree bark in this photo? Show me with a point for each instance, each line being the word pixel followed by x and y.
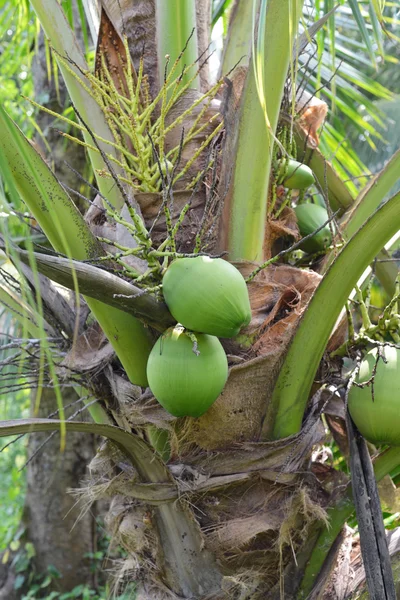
pixel 50 512
pixel 7 580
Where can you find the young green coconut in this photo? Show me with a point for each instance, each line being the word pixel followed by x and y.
pixel 208 295
pixel 375 408
pixel 187 383
pixel 298 176
pixel 311 217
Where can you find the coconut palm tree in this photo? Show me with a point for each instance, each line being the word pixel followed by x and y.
pixel 225 503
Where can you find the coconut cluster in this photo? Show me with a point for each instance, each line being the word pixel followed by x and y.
pixel 310 217
pixel 187 368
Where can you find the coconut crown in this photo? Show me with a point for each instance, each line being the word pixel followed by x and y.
pixel 377 413
pixel 309 218
pixel 208 295
pixel 186 383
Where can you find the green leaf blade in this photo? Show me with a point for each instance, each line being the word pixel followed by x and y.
pixel 299 368
pixel 69 234
pixel 363 29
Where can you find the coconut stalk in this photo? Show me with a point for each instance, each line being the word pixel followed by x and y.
pixel 64 42
pixel 63 224
pixel 372 196
pixel 298 371
pixel 362 208
pixel 175 23
pixel 100 285
pixel 237 49
pixel 355 210
pixel 338 195
pixel 261 101
pixel 386 271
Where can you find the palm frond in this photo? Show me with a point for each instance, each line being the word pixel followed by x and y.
pixel 344 73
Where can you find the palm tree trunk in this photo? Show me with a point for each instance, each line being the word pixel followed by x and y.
pixel 51 513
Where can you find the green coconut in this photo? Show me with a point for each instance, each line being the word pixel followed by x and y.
pixel 309 218
pixel 208 295
pixel 377 415
pixel 186 384
pixel 298 176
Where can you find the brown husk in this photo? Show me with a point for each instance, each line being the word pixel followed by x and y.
pixel 312 112
pixel 284 227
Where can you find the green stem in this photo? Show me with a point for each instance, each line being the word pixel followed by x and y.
pixel 297 374
pixel 339 196
pixel 386 462
pixel 386 272
pixel 27 173
pixel 159 439
pixel 368 201
pixel 175 23
pixel 365 204
pixel 338 515
pixel 62 39
pixel 372 196
pixel 128 336
pixel 238 41
pixel 261 101
pixel 97 412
